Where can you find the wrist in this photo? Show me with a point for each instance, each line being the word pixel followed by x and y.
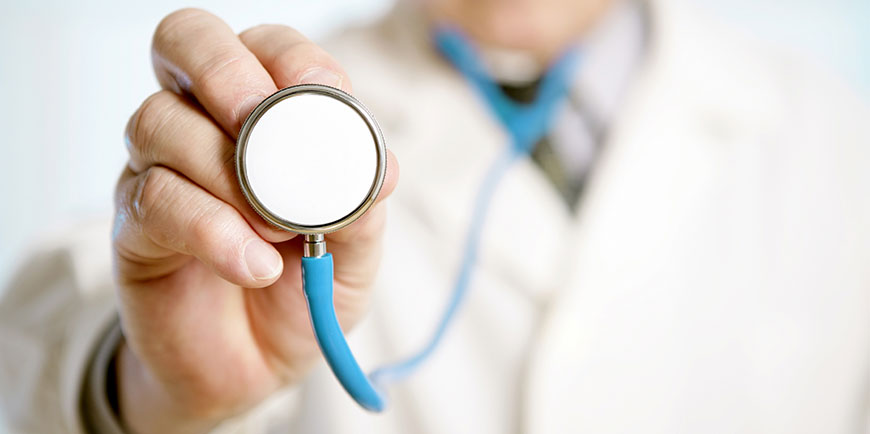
pixel 146 406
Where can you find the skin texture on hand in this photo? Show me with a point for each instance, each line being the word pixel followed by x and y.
pixel 210 294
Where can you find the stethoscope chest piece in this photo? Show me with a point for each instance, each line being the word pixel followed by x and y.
pixel 310 159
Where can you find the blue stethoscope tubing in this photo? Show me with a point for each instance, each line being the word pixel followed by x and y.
pixel 317 285
pixel 525 124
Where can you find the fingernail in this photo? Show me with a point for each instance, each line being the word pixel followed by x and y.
pixel 247 106
pixel 319 75
pixel 264 263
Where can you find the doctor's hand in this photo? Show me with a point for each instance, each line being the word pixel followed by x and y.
pixel 210 294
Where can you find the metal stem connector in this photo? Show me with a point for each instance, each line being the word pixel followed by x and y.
pixel 315 246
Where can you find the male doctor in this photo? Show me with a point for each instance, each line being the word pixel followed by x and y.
pixel 685 250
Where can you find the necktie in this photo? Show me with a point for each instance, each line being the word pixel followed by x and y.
pixel 568 185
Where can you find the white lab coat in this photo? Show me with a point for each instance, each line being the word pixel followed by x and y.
pixel 716 278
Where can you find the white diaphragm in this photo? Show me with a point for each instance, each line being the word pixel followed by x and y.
pixel 310 159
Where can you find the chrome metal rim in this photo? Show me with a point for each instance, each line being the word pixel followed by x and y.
pixel 251 122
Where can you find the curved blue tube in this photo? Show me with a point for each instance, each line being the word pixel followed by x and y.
pixel 525 124
pixel 317 286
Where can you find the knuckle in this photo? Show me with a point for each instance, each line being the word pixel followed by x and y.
pixel 371 232
pixel 367 230
pixel 153 115
pixel 273 34
pixel 301 57
pixel 170 26
pixel 124 220
pixel 226 72
pixel 210 227
pixel 122 188
pixel 226 60
pixel 150 195
pixel 221 176
pixel 262 30
pixel 205 223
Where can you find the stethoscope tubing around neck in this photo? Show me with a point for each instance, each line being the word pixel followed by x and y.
pixel 526 124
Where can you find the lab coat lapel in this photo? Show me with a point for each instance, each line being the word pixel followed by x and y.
pixel 641 201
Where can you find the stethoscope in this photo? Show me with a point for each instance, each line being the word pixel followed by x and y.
pixel 329 148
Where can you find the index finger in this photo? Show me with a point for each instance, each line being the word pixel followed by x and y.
pixel 196 52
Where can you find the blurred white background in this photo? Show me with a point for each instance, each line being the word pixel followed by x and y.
pixel 71 73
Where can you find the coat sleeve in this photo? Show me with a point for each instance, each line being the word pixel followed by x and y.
pixel 59 331
pixel 52 313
